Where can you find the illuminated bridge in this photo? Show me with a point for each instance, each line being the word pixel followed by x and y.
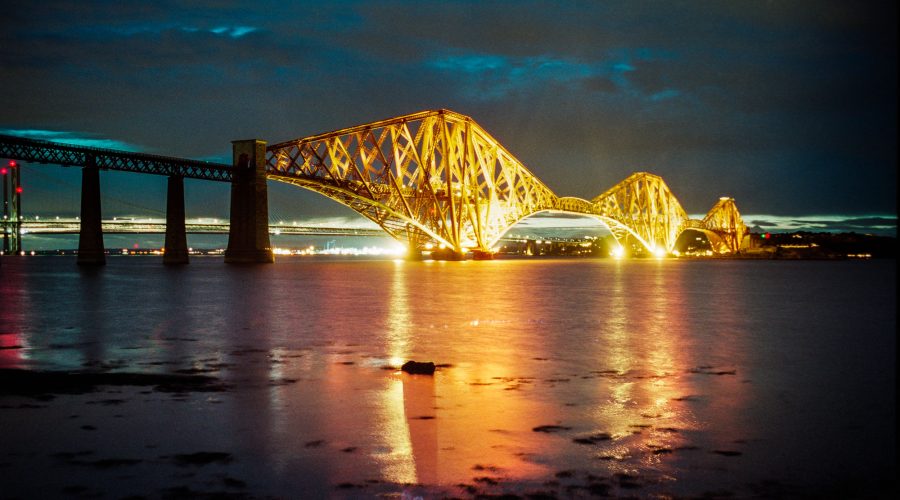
pixel 437 177
pixel 429 179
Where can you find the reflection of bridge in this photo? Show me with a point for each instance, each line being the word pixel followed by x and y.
pixel 429 178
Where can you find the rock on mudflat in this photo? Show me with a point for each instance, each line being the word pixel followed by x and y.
pixel 418 368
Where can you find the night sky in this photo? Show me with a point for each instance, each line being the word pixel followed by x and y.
pixel 790 107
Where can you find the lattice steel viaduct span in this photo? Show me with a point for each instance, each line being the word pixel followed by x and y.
pixel 434 178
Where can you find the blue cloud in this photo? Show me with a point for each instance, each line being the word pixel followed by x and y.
pixel 233 31
pixel 473 63
pixel 156 28
pixel 487 76
pixel 72 138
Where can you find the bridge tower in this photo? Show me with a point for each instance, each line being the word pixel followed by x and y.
pixel 12 207
pixel 248 236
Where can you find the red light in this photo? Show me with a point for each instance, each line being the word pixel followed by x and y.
pixel 3 171
pixel 19 189
pixel 767 236
pixel 12 163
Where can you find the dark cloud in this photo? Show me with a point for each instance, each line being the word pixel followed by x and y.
pixel 885 226
pixel 761 223
pixel 790 107
pixel 849 224
pixel 599 84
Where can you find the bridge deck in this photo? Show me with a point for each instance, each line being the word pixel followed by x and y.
pixel 39 151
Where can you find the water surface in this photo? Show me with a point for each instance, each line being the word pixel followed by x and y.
pixel 564 377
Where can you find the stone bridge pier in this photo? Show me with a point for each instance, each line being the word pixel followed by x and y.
pixel 91 251
pixel 176 249
pixel 248 236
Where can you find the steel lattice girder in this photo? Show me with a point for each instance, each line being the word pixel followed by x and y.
pixel 434 175
pixel 438 177
pixel 725 220
pixel 644 203
pixel 33 150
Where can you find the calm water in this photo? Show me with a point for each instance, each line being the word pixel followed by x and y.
pixel 744 378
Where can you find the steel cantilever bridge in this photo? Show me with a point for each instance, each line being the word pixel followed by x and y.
pixel 428 178
pixel 438 177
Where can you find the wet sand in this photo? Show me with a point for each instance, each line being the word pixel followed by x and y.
pixel 110 432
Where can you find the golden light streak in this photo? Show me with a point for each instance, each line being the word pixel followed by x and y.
pixel 400 461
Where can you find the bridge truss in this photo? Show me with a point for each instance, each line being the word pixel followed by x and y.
pixel 428 177
pixel 437 177
pixel 724 220
pixel 38 151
